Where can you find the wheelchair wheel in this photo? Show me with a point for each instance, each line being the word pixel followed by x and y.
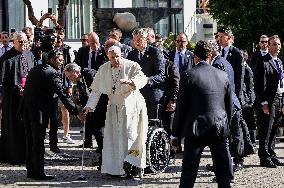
pixel 158 150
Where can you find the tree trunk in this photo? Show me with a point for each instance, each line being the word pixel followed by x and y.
pixel 31 15
pixel 62 4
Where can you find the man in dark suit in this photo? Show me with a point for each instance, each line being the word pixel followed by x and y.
pixel 233 56
pixel 151 61
pixel 269 101
pixel 182 57
pixel 263 50
pixel 83 80
pixel 203 117
pixel 92 57
pixel 42 83
pixel 248 100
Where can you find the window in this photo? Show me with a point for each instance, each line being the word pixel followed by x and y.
pixel 79 17
pixel 105 3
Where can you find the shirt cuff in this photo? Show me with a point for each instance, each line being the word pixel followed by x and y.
pixel 173 137
pixel 263 103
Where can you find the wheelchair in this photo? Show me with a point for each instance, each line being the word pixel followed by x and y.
pixel 157 146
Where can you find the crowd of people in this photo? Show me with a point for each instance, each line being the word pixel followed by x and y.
pixel 214 96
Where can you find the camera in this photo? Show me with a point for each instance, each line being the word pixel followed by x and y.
pixel 46 38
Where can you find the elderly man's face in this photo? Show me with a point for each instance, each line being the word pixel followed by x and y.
pixel 20 43
pixel 73 76
pixel 140 42
pixel 114 58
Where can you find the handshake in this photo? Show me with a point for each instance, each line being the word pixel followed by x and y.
pixel 83 113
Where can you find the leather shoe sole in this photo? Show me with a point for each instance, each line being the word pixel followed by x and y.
pixel 277 162
pixel 268 164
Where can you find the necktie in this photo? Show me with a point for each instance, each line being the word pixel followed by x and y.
pixel 93 59
pixel 180 64
pixel 223 52
pixel 5 49
pixel 280 72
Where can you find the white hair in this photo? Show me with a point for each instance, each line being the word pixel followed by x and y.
pixel 72 67
pixel 115 49
pixel 18 35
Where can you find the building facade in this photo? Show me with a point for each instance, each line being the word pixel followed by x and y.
pixel 80 16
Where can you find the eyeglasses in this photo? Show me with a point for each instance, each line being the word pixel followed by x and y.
pixel 182 41
pixel 264 41
pixel 83 39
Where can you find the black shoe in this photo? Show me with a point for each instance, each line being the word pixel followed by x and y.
pixel 86 146
pixel 281 139
pixel 268 164
pixel 55 149
pixel 210 168
pixel 277 162
pixel 43 177
pixel 232 180
pixel 238 167
pixel 179 149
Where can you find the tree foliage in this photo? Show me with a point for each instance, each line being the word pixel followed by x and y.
pixel 249 19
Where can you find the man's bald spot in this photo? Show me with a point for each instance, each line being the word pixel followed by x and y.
pixel 93 35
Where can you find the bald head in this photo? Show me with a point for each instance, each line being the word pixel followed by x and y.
pixel 94 41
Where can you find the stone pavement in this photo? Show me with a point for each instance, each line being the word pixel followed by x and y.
pixel 67 168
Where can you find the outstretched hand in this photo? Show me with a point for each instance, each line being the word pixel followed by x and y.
pixel 81 116
pixel 86 110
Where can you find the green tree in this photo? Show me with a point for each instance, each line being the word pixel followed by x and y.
pixel 249 19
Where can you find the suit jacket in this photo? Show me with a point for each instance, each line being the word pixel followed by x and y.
pixel 10 67
pixel 222 64
pixel 80 97
pixel 235 58
pixel 204 107
pixel 171 82
pixel 266 80
pixel 188 59
pixel 254 59
pixel 82 58
pixel 42 83
pixel 248 89
pixel 153 67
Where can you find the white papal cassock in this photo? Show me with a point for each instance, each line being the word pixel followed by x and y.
pixel 126 124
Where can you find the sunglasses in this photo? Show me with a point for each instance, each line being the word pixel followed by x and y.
pixel 264 41
pixel 182 41
pixel 83 39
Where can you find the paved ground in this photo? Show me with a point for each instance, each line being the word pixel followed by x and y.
pixel 67 168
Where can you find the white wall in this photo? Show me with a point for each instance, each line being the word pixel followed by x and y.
pixel 189 8
pixel 122 3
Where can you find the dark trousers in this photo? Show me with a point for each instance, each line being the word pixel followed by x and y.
pixel 95 121
pixel 54 123
pixel 193 149
pixel 237 140
pixel 248 115
pixel 248 145
pixel 35 133
pixel 269 124
pixel 93 128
